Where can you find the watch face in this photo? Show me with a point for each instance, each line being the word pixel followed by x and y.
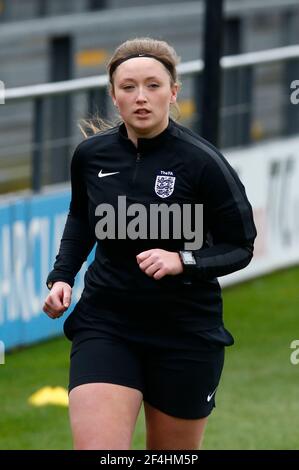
pixel 188 257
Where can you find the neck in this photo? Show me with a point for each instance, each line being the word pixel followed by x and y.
pixel 134 135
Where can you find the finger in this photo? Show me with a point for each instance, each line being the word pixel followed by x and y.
pixel 50 313
pixel 53 315
pixel 159 274
pixel 54 302
pixel 152 269
pixel 143 255
pixel 49 309
pixel 66 300
pixel 152 259
pixel 146 264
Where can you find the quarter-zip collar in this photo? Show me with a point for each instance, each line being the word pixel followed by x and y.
pixel 145 145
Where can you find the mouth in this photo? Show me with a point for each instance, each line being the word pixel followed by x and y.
pixel 142 112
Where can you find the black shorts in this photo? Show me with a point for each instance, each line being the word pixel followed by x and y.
pixel 177 368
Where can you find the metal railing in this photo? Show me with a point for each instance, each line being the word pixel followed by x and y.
pixel 126 18
pixel 38 93
pixel 192 67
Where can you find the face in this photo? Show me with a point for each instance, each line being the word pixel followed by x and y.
pixel 142 92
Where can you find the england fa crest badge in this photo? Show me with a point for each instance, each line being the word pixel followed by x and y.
pixel 164 185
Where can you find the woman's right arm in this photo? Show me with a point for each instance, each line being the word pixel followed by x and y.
pixel 78 237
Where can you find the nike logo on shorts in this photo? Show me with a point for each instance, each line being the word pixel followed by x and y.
pixel 101 174
pixel 210 396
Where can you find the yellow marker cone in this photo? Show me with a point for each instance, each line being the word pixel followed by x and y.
pixel 49 396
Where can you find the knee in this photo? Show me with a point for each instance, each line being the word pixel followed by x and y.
pixel 101 444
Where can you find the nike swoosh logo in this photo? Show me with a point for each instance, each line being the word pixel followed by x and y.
pixel 101 175
pixel 210 396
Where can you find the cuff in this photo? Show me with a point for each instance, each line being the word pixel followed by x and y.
pixel 58 277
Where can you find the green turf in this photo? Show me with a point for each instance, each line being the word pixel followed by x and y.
pixel 257 402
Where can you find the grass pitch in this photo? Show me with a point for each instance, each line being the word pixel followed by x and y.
pixel 257 401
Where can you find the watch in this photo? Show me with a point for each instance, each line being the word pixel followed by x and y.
pixel 189 263
pixel 187 258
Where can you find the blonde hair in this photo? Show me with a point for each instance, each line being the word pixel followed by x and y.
pixel 133 47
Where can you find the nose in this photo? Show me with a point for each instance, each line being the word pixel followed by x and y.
pixel 141 97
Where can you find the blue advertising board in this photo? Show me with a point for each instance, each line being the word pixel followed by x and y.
pixel 30 233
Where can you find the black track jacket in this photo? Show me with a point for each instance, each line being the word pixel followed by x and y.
pixel 196 173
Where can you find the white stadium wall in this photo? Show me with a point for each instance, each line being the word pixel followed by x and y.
pixel 270 173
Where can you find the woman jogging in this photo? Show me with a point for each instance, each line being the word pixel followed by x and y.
pixel 168 216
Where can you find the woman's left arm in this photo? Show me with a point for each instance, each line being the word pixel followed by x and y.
pixel 229 218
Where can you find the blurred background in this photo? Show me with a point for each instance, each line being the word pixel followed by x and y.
pixel 52 68
pixel 59 40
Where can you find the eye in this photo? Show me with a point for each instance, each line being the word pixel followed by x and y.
pixel 154 85
pixel 128 87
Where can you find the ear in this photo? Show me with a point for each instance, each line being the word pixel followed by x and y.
pixel 111 93
pixel 113 98
pixel 114 101
pixel 174 93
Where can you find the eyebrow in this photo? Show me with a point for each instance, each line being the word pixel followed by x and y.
pixel 133 79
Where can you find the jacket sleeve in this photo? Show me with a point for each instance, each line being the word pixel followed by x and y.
pixel 228 214
pixel 78 237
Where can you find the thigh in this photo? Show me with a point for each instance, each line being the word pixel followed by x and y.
pixel 167 432
pixel 106 390
pixel 103 415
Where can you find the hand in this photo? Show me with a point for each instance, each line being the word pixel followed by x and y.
pixel 158 263
pixel 58 300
